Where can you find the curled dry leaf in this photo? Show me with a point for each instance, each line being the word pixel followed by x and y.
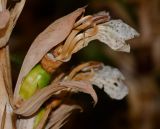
pixel 111 80
pixel 50 37
pixel 31 105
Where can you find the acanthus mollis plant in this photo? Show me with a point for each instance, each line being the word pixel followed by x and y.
pixel 42 96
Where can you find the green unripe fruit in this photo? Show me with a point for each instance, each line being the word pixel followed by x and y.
pixel 37 78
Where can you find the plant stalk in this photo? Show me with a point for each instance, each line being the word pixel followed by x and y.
pixel 6 93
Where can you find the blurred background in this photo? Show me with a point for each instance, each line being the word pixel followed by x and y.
pixel 141 68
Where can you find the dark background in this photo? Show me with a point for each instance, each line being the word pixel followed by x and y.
pixel 141 108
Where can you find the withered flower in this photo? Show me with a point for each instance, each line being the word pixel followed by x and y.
pixel 54 46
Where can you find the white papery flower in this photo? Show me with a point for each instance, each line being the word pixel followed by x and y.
pixel 111 80
pixel 114 33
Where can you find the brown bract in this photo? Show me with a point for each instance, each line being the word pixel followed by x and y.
pixel 4 16
pixel 49 38
pixel 8 20
pixel 30 106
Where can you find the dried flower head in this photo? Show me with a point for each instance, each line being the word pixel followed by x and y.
pixel 56 45
pixel 111 79
pixel 106 77
pixel 114 33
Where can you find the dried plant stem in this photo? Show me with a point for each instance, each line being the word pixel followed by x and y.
pixel 5 90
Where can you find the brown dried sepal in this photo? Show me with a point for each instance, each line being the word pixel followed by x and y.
pixel 84 71
pixel 4 15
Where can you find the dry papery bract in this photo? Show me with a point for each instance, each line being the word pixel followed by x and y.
pixel 66 36
pixel 8 19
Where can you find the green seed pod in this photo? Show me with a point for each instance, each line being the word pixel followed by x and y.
pixel 37 78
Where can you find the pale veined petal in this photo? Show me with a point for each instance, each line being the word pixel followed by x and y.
pixel 111 80
pixel 113 33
